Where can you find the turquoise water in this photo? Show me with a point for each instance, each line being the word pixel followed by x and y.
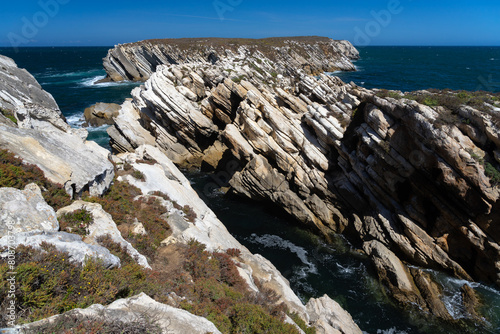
pixel 312 267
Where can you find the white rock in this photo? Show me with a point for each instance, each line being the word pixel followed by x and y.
pixel 25 211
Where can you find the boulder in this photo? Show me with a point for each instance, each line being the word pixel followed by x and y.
pixel 25 211
pixel 101 114
pixel 140 308
pixel 69 243
pixel 328 317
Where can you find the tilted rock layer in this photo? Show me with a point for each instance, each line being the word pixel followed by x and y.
pixel 335 156
pixel 137 61
pixel 38 133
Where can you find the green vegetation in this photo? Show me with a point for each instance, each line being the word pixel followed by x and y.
pixel 301 323
pixel 238 78
pixel 76 222
pixel 16 174
pixel 450 99
pixel 9 114
pixel 492 173
pixel 138 175
pixel 49 283
pixel 120 203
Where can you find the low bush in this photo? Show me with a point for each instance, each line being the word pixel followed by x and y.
pixel 76 222
pixel 48 284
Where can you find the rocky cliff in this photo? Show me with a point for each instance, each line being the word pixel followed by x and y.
pixel 145 230
pixel 137 61
pixel 33 127
pixel 413 179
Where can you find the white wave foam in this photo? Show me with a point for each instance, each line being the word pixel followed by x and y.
pixel 92 82
pixel 97 128
pixel 269 240
pixel 52 74
pixel 75 120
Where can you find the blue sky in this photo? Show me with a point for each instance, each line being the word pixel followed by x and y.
pixel 363 22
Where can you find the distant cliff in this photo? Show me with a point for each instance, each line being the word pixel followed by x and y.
pixel 137 61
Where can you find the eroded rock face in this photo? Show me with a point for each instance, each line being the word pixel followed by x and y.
pixel 138 308
pixel 336 157
pixel 64 158
pixel 21 95
pixel 42 137
pixel 137 61
pixel 25 211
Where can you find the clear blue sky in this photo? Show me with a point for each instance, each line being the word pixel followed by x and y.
pixel 108 22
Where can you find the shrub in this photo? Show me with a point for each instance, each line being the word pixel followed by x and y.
pixel 492 173
pixel 76 222
pixel 189 212
pixel 17 174
pixel 9 114
pixel 138 175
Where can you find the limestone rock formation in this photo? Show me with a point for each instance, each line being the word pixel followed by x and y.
pixel 41 136
pixel 103 225
pixel 25 100
pixel 25 211
pixel 64 158
pixel 140 308
pixel 69 243
pixel 137 61
pixel 329 318
pixel 101 114
pixel 420 180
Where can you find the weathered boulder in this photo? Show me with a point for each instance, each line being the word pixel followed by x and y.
pixel 101 114
pixel 64 158
pixel 328 317
pixel 25 211
pixel 72 244
pixel 103 225
pixel 140 308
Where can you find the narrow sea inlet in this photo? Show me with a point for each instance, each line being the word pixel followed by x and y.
pixel 312 267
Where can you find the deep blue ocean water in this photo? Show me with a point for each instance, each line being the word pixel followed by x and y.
pixel 312 267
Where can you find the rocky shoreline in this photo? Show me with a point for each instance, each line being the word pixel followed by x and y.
pixel 411 178
pixel 35 138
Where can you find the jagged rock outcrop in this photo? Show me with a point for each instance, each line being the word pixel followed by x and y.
pixel 137 61
pixel 41 136
pixel 25 211
pixel 139 309
pixel 334 321
pixel 103 225
pixel 337 157
pixel 25 100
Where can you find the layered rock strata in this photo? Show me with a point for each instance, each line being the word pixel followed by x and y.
pixel 34 128
pixel 137 61
pixel 335 156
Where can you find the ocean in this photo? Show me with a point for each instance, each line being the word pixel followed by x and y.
pixel 312 267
